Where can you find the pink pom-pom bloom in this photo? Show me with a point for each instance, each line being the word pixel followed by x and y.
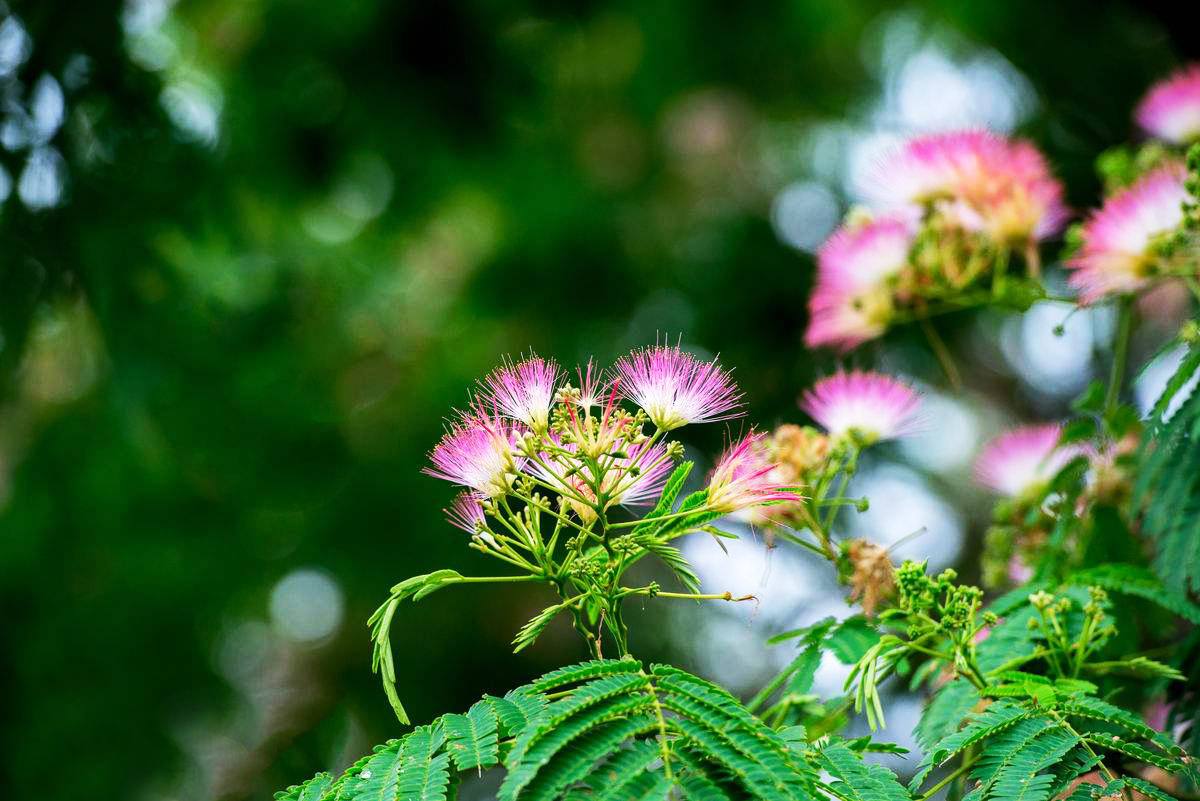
pixel 477 453
pixel 867 406
pixel 851 302
pixel 675 388
pixel 1117 254
pixel 1024 459
pixel 744 477
pixel 985 182
pixel 466 512
pixel 524 391
pixel 1171 109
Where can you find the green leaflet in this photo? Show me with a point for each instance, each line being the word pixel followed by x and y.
pixel 535 626
pixel 857 780
pixel 666 501
pixel 472 739
pixel 851 639
pixel 583 671
pixel 946 712
pixel 312 790
pixel 673 558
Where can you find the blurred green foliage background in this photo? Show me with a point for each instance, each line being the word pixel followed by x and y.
pixel 265 245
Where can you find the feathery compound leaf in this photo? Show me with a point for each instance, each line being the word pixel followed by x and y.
pixel 471 739
pixel 673 558
pixel 946 712
pixel 518 709
pixel 1009 749
pixel 991 721
pixel 378 778
pixel 534 628
pixel 613 780
pixel 1167 485
pixel 615 733
pixel 856 780
pixel 380 624
pixel 1137 581
pixel 527 758
pixel 1130 749
pixel 424 772
pixel 851 639
pixel 584 671
pixel 1021 778
pixel 574 761
pixel 312 790
pixel 1145 788
pixel 1092 708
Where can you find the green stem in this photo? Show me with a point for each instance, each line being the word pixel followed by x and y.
pixel 942 352
pixel 963 768
pixel 1120 353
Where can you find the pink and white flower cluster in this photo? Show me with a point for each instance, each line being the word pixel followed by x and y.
pixel 528 429
pixel 983 181
pixel 675 388
pixel 997 193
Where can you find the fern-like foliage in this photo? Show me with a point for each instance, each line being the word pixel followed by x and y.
pixel 1138 582
pixel 1167 486
pixel 605 730
pixel 855 780
pixel 1040 736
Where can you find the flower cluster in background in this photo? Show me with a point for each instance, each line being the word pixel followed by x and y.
pixel 951 215
pixel 949 212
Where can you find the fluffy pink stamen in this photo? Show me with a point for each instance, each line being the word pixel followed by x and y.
pixel 1171 109
pixel 1116 255
pixel 850 303
pixel 524 391
pixel 675 388
pixel 466 512
pixel 477 452
pixel 1023 459
pixel 744 477
pixel 871 405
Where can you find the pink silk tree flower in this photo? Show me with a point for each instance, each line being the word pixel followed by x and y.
pixel 477 452
pixel 1024 459
pixel 983 181
pixel 1117 255
pixel 675 388
pixel 1171 109
pixel 744 477
pixel 868 406
pixel 851 302
pixel 466 512
pixel 524 391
